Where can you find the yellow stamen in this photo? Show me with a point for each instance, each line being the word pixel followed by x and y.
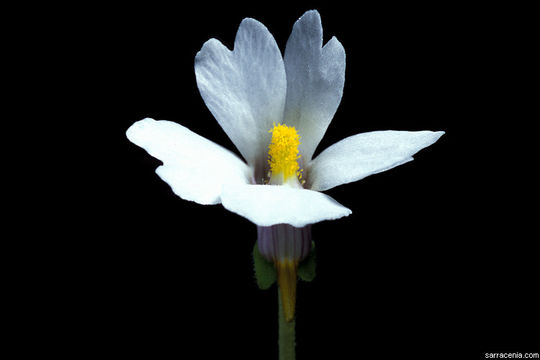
pixel 283 152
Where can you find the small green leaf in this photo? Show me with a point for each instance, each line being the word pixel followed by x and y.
pixel 306 269
pixel 265 272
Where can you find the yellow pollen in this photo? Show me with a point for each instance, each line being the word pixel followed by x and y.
pixel 283 152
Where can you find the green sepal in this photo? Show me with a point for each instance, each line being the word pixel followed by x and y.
pixel 265 272
pixel 306 269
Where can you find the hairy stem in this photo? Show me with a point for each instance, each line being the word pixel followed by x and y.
pixel 286 334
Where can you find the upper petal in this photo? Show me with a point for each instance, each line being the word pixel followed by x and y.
pixel 244 88
pixel 315 78
pixel 267 205
pixel 361 155
pixel 195 167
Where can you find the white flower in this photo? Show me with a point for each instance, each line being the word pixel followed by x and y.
pixel 277 107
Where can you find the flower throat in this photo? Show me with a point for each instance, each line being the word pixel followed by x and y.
pixel 283 155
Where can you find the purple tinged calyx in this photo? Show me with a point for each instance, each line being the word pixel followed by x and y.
pixel 284 242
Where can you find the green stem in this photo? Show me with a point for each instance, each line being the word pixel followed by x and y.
pixel 286 334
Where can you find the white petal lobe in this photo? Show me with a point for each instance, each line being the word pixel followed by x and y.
pixel 315 79
pixel 361 155
pixel 267 205
pixel 195 167
pixel 244 88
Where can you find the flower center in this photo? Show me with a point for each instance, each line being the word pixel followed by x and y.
pixel 283 154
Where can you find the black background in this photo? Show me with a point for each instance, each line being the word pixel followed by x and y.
pixel 434 261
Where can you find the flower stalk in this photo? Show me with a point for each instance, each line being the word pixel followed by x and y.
pixel 286 338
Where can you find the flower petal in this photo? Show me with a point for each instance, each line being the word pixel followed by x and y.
pixel 315 78
pixel 195 167
pixel 244 89
pixel 361 155
pixel 267 205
